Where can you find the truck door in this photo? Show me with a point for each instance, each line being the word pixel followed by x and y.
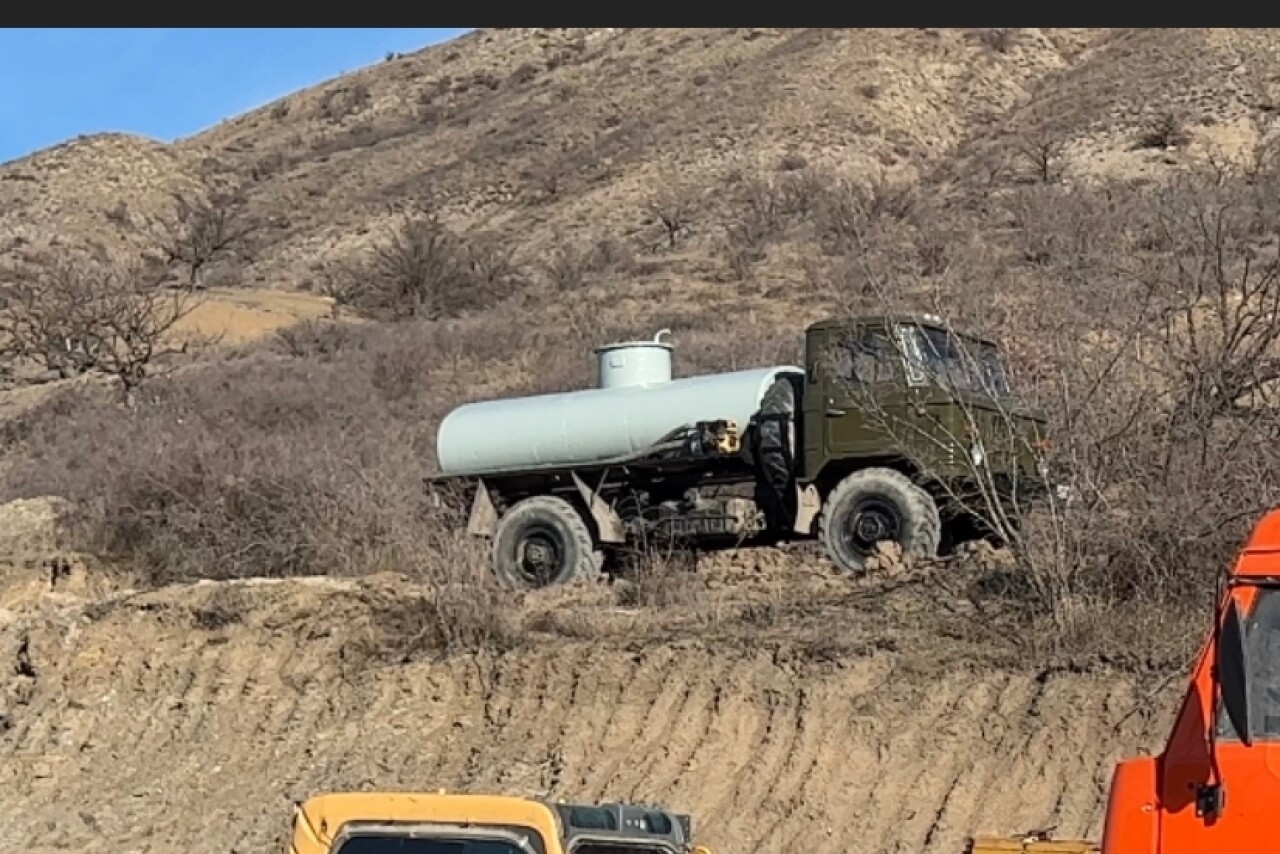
pixel 863 389
pixel 1250 774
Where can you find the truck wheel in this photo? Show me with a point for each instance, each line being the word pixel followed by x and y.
pixel 543 541
pixel 875 505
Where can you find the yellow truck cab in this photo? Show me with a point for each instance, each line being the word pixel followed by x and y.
pixel 442 823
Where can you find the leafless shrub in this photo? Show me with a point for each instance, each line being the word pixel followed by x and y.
pixel 793 161
pixel 315 339
pixel 459 610
pixel 767 210
pixel 565 268
pixel 550 177
pixel 268 165
pixel 1165 131
pixel 998 39
pixel 424 270
pixel 336 104
pixel 524 73
pixel 119 214
pixel 568 266
pixel 74 316
pixel 660 575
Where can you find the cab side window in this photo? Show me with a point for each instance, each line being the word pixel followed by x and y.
pixel 867 358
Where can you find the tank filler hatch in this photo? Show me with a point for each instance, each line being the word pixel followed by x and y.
pixel 635 363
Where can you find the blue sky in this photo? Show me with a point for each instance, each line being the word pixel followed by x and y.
pixel 168 83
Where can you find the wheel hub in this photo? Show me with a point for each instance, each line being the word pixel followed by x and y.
pixel 872 523
pixel 540 555
pixel 870 527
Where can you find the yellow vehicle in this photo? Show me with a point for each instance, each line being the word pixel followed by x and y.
pixel 443 823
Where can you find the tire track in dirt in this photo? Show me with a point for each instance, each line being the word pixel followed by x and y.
pixel 814 743
pixel 866 755
pixel 631 728
pixel 903 748
pixel 688 731
pixel 668 714
pixel 763 792
pixel 917 829
pixel 843 778
pixel 998 731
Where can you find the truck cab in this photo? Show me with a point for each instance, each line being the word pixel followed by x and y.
pixel 445 823
pixel 1216 784
pixel 910 394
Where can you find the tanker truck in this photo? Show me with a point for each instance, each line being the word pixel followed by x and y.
pixel 890 424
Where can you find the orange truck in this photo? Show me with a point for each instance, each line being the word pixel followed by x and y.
pixel 444 823
pixel 1214 786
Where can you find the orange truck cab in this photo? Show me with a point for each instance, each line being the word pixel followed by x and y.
pixel 1216 785
pixel 441 823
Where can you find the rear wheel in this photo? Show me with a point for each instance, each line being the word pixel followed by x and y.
pixel 541 542
pixel 878 505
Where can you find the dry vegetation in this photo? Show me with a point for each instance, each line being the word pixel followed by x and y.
pixel 492 223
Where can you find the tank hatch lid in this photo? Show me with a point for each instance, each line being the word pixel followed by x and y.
pixel 627 345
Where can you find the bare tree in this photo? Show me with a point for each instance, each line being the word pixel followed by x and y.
pixel 202 232
pixel 1042 151
pixel 673 206
pixel 74 317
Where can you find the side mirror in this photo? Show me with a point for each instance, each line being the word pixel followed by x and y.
pixel 1232 671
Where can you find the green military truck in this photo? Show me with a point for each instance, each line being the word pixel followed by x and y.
pixel 897 428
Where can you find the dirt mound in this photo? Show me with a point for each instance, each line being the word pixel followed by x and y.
pixel 189 718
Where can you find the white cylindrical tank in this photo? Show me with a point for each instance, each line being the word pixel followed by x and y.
pixel 595 424
pixel 635 362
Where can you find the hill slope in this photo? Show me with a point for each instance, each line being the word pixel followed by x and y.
pixel 542 132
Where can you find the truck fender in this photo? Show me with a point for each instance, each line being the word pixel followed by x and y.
pixel 484 517
pixel 1132 818
pixel 608 524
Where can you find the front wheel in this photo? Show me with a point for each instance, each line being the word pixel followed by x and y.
pixel 541 542
pixel 878 505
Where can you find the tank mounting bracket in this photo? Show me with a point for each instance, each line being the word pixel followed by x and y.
pixel 608 523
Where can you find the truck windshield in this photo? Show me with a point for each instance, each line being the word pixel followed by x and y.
pixel 955 362
pixel 383 843
pixel 1262 649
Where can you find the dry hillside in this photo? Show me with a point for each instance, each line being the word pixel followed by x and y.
pixel 227 589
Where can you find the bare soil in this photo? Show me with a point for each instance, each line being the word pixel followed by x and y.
pixel 190 718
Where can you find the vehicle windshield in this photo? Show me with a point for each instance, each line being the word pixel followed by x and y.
pixel 954 362
pixel 387 843
pixel 1262 646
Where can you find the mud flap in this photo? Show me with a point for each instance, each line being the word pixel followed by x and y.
pixel 608 525
pixel 484 517
pixel 808 505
